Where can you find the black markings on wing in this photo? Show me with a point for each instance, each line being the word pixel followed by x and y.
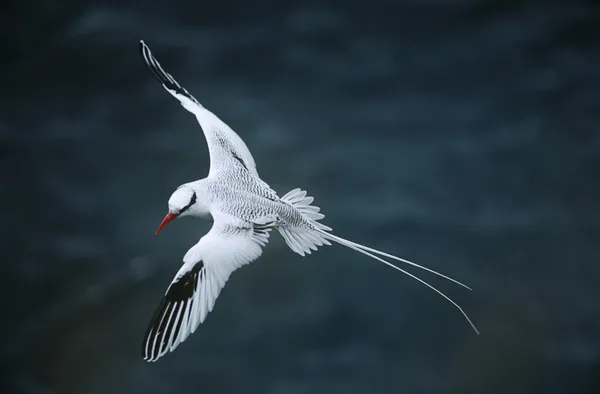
pixel 235 156
pixel 260 232
pixel 171 84
pixel 164 77
pixel 227 146
pixel 168 318
pixel 262 228
pixel 271 196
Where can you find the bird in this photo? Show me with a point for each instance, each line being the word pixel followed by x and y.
pixel 244 211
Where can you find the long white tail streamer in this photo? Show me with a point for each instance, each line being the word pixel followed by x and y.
pixel 366 251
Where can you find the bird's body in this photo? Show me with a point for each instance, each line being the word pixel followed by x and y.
pixel 244 210
pixel 250 202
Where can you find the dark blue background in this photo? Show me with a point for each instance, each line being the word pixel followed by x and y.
pixel 464 137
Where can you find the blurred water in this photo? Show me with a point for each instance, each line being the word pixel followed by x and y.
pixel 462 137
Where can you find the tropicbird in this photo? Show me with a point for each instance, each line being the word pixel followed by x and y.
pixel 244 210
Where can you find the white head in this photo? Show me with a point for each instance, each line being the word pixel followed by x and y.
pixel 183 202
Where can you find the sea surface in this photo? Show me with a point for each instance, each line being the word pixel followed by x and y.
pixel 462 136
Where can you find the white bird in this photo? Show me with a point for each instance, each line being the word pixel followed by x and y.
pixel 244 209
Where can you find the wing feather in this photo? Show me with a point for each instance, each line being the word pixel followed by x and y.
pixel 226 148
pixel 194 290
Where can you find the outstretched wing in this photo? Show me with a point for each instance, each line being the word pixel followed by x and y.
pixel 225 147
pixel 194 290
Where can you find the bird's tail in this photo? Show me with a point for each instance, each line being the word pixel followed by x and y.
pixel 302 241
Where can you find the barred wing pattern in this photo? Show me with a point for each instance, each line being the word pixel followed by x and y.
pixel 225 147
pixel 195 288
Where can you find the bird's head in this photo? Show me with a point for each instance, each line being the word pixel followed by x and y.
pixel 183 202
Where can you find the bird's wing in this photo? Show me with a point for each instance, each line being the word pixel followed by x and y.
pixel 207 266
pixel 226 148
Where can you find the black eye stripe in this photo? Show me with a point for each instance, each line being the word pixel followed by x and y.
pixel 192 202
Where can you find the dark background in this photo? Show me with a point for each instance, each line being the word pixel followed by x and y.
pixel 464 137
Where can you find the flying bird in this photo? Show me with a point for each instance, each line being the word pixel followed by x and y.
pixel 244 210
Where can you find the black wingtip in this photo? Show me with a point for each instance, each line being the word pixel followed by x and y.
pixel 153 65
pixel 164 77
pixel 174 302
pixel 143 45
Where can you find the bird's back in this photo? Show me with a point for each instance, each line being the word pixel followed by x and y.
pixel 242 195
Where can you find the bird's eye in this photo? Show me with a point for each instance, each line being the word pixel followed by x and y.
pixel 192 202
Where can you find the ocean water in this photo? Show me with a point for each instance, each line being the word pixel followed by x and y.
pixel 464 137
